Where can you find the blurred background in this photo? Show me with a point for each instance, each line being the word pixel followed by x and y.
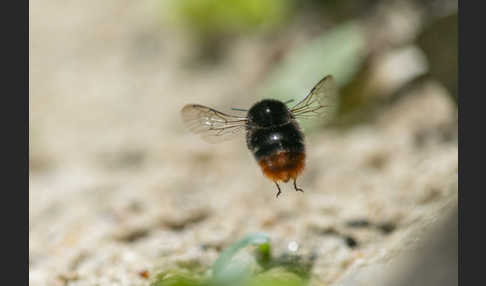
pixel 118 187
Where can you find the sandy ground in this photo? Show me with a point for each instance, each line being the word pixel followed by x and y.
pixel 117 186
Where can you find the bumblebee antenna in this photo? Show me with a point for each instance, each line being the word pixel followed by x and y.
pixel 288 101
pixel 239 109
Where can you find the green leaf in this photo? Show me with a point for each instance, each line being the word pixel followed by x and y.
pixel 225 269
pixel 277 277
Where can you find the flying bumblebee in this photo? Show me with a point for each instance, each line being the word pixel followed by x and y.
pixel 273 134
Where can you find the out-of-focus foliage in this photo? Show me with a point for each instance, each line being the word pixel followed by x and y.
pixel 439 42
pixel 277 277
pixel 226 269
pixel 231 268
pixel 381 79
pixel 339 52
pixel 211 17
pixel 226 256
pixel 178 277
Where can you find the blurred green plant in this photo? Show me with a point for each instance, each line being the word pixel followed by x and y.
pixel 179 277
pixel 228 270
pixel 233 269
pixel 214 17
pixel 220 266
pixel 277 277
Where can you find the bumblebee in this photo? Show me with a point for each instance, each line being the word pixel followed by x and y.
pixel 273 133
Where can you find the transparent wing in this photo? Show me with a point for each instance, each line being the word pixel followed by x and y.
pixel 322 101
pixel 213 126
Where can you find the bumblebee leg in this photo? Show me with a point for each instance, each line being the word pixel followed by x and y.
pixel 278 187
pixel 297 188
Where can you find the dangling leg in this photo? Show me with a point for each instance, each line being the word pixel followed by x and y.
pixel 297 188
pixel 278 187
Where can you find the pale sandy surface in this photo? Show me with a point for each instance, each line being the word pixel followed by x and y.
pixel 117 186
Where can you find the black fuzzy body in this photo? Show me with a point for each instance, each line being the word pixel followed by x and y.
pixel 272 129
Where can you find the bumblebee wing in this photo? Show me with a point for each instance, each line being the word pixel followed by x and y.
pixel 322 101
pixel 213 126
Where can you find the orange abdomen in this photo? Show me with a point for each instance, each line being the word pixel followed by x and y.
pixel 283 166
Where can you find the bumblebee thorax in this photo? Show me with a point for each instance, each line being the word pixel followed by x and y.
pixel 269 112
